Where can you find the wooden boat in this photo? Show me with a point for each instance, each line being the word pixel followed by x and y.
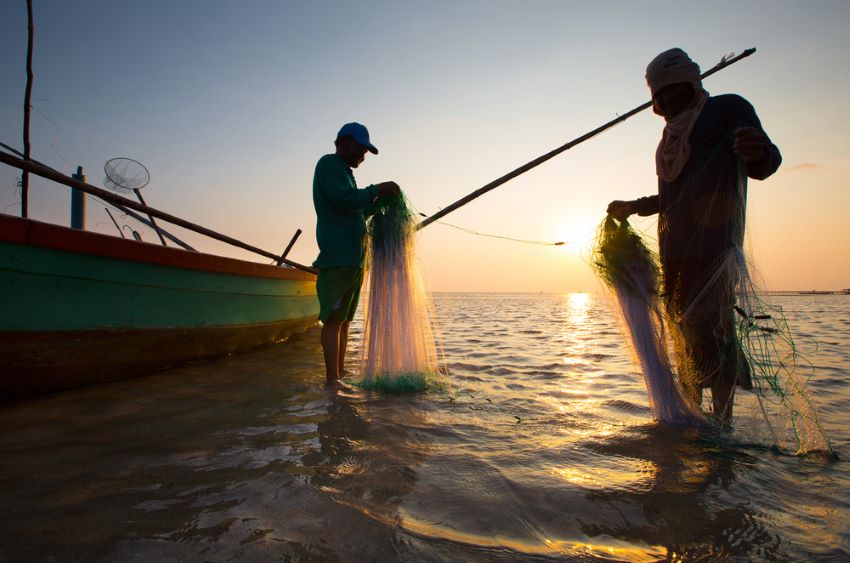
pixel 80 307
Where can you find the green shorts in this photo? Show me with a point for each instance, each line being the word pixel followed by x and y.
pixel 338 289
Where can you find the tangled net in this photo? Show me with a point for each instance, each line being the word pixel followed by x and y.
pixel 780 374
pixel 399 353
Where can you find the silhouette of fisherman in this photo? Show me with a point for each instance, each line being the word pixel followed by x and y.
pixel 341 211
pixel 709 146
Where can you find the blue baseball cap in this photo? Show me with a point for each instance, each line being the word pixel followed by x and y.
pixel 359 133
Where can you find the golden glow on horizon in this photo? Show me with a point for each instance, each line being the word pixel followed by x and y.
pixel 443 129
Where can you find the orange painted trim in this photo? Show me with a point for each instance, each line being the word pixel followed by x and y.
pixel 46 235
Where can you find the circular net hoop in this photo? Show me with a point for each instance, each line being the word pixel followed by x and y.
pixel 125 175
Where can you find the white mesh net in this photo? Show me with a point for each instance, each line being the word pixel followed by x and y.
pixel 630 270
pixel 399 352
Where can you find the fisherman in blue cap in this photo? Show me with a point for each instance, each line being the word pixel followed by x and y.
pixel 341 211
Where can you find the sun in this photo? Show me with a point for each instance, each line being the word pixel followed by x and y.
pixel 578 236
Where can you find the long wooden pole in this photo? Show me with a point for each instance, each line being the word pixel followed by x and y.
pixel 25 179
pixel 540 160
pixel 114 222
pixel 51 174
pixel 289 246
pixel 138 193
pixel 147 222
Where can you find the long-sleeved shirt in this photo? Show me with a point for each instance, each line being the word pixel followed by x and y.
pixel 696 210
pixel 341 210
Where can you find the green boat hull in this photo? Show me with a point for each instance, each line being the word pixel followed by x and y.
pixel 82 307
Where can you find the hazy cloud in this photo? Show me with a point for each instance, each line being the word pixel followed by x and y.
pixel 803 166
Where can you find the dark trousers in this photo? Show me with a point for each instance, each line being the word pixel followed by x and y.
pixel 700 297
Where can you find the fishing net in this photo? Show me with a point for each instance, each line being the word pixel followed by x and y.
pixel 722 330
pixel 398 353
pixel 629 268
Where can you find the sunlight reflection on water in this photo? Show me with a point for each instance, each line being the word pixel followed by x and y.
pixel 543 448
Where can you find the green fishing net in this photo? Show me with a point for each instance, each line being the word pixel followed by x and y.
pixel 627 266
pixel 399 352
pixel 621 258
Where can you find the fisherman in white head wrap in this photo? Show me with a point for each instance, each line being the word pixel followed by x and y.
pixel 705 142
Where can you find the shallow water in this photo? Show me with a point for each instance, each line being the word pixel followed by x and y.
pixel 543 448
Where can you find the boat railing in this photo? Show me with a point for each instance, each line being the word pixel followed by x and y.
pixel 49 173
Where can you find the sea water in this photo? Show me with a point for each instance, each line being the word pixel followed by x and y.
pixel 543 448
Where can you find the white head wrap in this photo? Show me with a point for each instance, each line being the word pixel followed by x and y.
pixel 674 66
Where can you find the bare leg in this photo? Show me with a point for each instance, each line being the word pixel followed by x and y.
pixel 732 370
pixel 723 397
pixel 343 345
pixel 708 326
pixel 332 349
pixel 689 377
pixel 691 362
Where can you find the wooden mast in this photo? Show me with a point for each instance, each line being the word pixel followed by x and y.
pixel 25 180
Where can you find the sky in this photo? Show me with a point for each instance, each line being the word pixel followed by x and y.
pixel 230 104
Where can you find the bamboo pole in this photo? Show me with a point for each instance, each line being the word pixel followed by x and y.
pixel 56 176
pixel 25 179
pixel 541 159
pixel 138 193
pixel 147 222
pixel 108 212
pixel 289 246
